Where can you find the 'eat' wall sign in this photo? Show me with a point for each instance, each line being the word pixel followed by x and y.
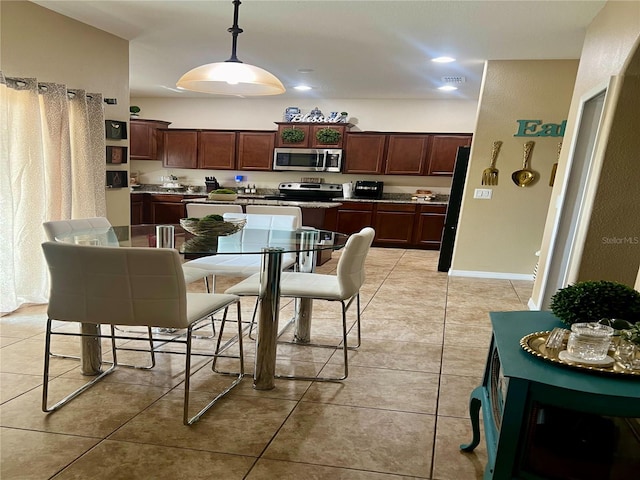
pixel 535 128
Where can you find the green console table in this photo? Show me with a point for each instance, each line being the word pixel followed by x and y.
pixel 519 391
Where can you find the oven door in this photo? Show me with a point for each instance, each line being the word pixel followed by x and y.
pixel 301 159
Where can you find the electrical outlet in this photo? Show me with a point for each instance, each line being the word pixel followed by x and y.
pixel 483 193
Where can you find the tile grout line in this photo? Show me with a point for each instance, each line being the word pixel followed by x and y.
pixel 435 426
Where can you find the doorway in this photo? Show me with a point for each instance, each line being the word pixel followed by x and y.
pixel 563 246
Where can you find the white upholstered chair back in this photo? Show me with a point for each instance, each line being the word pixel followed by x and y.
pixel 199 210
pixel 261 229
pixel 277 210
pixel 350 269
pixel 56 228
pixel 123 285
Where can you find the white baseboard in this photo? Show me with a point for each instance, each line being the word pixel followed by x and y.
pixel 532 305
pixel 496 275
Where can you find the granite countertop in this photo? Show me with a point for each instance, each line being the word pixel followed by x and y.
pixel 255 199
pixel 258 200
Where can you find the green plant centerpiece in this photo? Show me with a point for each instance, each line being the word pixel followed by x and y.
pixel 591 301
pixel 328 135
pixel 134 110
pixel 292 135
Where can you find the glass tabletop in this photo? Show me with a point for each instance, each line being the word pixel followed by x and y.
pixel 245 241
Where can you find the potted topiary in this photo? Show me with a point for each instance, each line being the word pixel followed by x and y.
pixel 591 301
pixel 292 135
pixel 328 135
pixel 134 110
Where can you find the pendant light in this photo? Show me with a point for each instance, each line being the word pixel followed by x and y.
pixel 231 77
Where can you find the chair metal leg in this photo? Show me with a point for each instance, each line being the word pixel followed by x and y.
pixel 75 393
pixel 185 417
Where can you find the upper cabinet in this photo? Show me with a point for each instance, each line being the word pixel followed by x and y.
pixel 443 151
pixel 180 148
pixel 407 154
pixel 217 150
pixel 364 153
pixel 402 153
pixel 311 135
pixel 144 139
pixel 210 149
pixel 255 150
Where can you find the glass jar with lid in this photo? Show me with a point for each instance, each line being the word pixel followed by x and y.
pixel 589 341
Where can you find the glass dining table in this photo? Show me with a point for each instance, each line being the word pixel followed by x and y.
pixel 267 244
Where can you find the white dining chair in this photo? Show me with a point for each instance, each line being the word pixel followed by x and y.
pixel 100 227
pixel 344 287
pixel 131 286
pixel 199 210
pixel 56 228
pixel 259 230
pixel 277 210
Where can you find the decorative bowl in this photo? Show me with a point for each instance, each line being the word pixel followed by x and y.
pixel 212 227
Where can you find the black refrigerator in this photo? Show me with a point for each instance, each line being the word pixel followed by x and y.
pixel 453 209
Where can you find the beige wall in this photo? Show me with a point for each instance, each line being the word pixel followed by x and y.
pixel 612 209
pixel 499 237
pixel 262 113
pixel 36 42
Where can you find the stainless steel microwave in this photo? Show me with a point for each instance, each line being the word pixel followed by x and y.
pixel 308 159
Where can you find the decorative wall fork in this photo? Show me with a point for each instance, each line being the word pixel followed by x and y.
pixel 490 174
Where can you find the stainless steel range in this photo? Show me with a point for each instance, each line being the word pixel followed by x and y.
pixel 307 192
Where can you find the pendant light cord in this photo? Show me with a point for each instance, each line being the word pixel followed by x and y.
pixel 235 30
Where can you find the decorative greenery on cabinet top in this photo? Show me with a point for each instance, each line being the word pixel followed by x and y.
pixel 328 135
pixel 292 135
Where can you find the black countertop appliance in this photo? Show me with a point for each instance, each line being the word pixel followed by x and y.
pixel 368 189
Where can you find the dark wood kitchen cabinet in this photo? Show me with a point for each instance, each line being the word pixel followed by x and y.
pixel 137 208
pixel 354 216
pixel 180 148
pixel 430 224
pixel 305 128
pixel 394 224
pixel 255 150
pixel 442 153
pixel 207 149
pixel 217 150
pixel 167 209
pixel 158 207
pixel 145 142
pixel 402 153
pixel 315 143
pixel 364 153
pixel 310 130
pixel 407 154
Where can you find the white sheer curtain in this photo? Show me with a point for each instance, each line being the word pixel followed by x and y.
pixel 52 167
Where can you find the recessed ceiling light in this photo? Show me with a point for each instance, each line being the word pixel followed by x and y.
pixel 302 88
pixel 447 88
pixel 443 59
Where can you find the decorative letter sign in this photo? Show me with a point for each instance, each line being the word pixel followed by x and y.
pixel 535 128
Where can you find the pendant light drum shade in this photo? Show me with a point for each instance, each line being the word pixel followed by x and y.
pixel 231 77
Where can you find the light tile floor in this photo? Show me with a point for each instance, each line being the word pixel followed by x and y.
pixel 402 413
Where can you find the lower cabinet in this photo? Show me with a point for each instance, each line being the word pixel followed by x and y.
pixel 158 208
pixel 400 225
pixel 354 216
pixel 137 209
pixel 430 224
pixel 394 223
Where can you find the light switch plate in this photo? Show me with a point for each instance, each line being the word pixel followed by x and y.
pixel 483 193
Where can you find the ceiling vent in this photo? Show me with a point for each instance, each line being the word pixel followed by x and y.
pixel 452 79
